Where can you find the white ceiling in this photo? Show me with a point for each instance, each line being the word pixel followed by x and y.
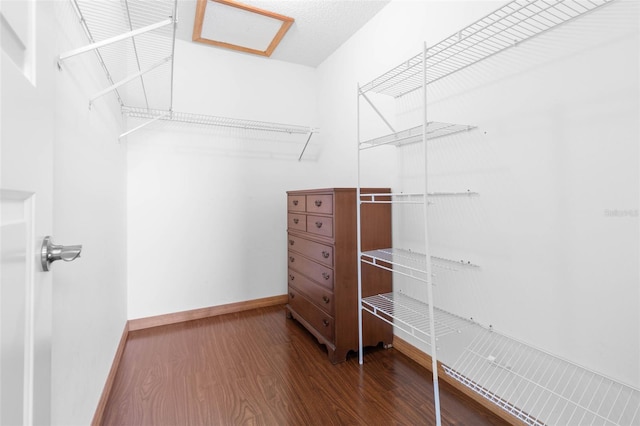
pixel 320 27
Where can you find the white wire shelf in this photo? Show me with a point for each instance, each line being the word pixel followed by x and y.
pixel 506 27
pixel 410 263
pixel 414 135
pixel 412 315
pixel 410 198
pixel 392 198
pixel 209 120
pixel 130 59
pixel 540 388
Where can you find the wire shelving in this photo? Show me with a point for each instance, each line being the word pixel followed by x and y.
pixel 506 27
pixel 134 42
pixel 608 402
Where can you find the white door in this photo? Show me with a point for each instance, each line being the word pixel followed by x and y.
pixel 26 170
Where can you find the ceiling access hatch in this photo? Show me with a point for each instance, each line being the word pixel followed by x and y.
pixel 237 26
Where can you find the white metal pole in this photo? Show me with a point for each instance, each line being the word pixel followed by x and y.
pixel 115 39
pixel 128 79
pixel 377 112
pixel 359 239
pixel 143 125
pixel 432 328
pixel 306 143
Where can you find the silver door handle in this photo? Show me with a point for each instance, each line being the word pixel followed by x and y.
pixel 51 252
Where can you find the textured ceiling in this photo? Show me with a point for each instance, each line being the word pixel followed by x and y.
pixel 320 26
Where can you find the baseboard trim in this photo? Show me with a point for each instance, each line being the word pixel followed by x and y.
pixel 194 314
pixel 424 360
pixel 106 392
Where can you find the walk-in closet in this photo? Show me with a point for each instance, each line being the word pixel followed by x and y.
pixel 445 189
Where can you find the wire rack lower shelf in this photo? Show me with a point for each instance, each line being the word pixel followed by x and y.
pixel 535 386
pixel 412 316
pixel 540 388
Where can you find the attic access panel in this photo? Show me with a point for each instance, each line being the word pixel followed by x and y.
pixel 237 26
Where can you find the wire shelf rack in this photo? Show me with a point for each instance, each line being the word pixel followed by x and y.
pixel 149 51
pixel 209 120
pixel 414 135
pixel 540 388
pixel 410 263
pixel 410 198
pixel 411 315
pixel 506 27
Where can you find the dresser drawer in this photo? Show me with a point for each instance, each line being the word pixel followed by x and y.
pixel 318 319
pixel 296 203
pixel 320 203
pixel 317 272
pixel 320 225
pixel 321 252
pixel 318 295
pixel 297 221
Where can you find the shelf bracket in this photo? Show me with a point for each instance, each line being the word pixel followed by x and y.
pixel 306 143
pixel 135 129
pixel 377 111
pixel 126 80
pixel 106 42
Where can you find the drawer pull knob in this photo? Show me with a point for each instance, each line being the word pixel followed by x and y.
pixel 291 242
pixel 296 220
pixel 295 202
pixel 325 254
pixel 325 299
pixel 318 224
pixel 318 203
pixel 326 275
pixel 325 322
pixel 292 259
pixel 291 277
pixel 291 295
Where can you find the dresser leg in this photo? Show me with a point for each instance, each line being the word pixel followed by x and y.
pixel 337 356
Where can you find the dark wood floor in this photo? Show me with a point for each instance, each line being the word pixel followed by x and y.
pixel 257 367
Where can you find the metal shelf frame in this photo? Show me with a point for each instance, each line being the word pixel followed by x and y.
pixel 506 27
pixel 135 35
pixel 126 35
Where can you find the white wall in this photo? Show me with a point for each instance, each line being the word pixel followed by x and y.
pixel 89 296
pixel 206 205
pixel 556 151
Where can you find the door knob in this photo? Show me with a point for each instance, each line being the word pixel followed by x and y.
pixel 51 252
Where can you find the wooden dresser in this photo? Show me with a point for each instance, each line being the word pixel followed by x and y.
pixel 323 262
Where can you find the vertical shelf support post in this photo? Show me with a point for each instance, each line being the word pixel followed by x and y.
pixel 359 236
pixel 432 328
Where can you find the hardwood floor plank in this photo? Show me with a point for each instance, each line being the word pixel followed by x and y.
pixel 259 368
